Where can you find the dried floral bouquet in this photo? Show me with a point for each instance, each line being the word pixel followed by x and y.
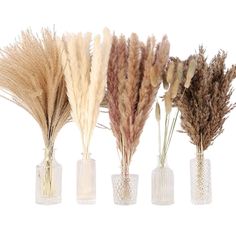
pixel 176 73
pixel 31 76
pixel 204 108
pixel 85 76
pixel 133 68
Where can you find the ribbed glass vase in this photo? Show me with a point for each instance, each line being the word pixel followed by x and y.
pixel 48 180
pixel 86 180
pixel 200 180
pixel 162 186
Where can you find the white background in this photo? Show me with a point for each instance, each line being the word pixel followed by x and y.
pixel 187 24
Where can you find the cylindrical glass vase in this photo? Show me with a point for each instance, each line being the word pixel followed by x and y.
pixel 48 180
pixel 162 186
pixel 86 181
pixel 125 189
pixel 200 181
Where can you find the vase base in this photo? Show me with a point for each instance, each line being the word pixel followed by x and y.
pixel 201 202
pixel 163 203
pixel 124 203
pixel 48 201
pixel 86 201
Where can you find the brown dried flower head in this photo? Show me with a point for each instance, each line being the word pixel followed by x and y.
pixel 206 103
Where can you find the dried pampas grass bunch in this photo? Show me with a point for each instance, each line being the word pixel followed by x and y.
pixel 176 75
pixel 85 76
pixel 204 106
pixel 134 76
pixel 31 76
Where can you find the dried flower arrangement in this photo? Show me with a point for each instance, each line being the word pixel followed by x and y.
pixel 204 108
pixel 134 67
pixel 85 76
pixel 176 74
pixel 31 76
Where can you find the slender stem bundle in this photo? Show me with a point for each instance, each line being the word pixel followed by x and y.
pixel 134 76
pixel 85 76
pixel 177 73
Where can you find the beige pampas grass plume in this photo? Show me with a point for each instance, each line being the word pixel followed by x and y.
pixel 31 72
pixel 85 75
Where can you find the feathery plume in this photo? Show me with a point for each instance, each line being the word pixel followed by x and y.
pixel 133 68
pixel 31 72
pixel 85 76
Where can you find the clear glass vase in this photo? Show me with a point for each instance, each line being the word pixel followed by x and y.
pixel 86 181
pixel 48 180
pixel 162 186
pixel 125 189
pixel 200 180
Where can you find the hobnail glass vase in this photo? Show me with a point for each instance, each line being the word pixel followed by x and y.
pixel 125 188
pixel 48 180
pixel 86 181
pixel 200 180
pixel 162 185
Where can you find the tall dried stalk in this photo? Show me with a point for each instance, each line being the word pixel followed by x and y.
pixel 31 73
pixel 206 103
pixel 85 76
pixel 177 73
pixel 133 68
pixel 31 76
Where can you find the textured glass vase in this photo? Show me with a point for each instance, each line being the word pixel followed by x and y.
pixel 86 181
pixel 200 180
pixel 48 180
pixel 162 186
pixel 125 189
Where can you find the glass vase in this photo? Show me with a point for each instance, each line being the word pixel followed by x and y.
pixel 86 181
pixel 48 180
pixel 200 180
pixel 162 186
pixel 125 189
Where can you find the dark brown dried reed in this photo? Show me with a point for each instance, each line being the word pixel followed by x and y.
pixel 206 103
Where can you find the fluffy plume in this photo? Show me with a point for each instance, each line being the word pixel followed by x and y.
pixel 206 103
pixel 134 67
pixel 31 73
pixel 85 76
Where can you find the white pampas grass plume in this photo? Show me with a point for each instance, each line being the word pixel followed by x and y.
pixel 85 76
